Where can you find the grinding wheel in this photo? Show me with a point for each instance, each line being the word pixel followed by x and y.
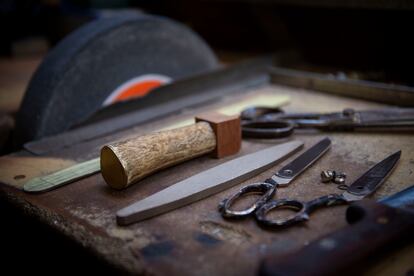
pixel 106 61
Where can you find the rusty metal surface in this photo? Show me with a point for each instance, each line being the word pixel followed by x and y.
pixel 195 239
pixel 400 95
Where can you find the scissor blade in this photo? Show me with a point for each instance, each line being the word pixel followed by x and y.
pixel 294 168
pixel 374 177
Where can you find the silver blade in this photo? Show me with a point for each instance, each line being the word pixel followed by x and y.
pixel 389 116
pixel 372 179
pixel 206 183
pixel 285 175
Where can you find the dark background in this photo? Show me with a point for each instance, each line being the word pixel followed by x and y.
pixel 366 39
pixel 370 39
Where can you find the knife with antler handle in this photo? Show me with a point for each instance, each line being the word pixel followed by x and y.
pixel 126 162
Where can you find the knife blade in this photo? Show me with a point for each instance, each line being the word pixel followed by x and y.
pixel 206 183
pixel 373 227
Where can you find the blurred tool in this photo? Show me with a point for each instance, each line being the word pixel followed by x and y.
pixel 264 122
pixel 374 226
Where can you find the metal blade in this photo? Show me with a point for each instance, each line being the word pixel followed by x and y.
pixel 374 177
pixel 403 199
pixel 390 116
pixel 206 183
pixel 294 168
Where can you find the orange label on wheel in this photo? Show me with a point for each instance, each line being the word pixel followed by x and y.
pixel 136 87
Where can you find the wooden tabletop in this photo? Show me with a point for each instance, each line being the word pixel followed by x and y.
pixel 195 239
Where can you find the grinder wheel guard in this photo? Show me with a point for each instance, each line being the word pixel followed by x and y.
pixel 103 62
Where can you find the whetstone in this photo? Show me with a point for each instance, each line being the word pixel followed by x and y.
pixel 206 183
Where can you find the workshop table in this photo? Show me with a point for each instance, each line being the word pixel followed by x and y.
pixel 195 239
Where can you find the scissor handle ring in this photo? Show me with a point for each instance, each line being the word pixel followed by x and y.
pixel 300 215
pixel 303 209
pixel 267 129
pixel 254 113
pixel 267 190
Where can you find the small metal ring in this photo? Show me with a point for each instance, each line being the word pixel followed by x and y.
pixel 299 206
pixel 254 113
pixel 267 129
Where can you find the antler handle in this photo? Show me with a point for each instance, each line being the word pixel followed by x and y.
pixel 124 163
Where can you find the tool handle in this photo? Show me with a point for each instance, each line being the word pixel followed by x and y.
pixel 303 209
pixel 264 189
pixel 126 162
pixel 373 226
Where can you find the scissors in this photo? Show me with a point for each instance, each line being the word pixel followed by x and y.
pixel 282 178
pixel 265 122
pixel 361 188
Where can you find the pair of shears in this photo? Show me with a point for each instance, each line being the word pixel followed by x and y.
pixel 362 187
pixel 264 122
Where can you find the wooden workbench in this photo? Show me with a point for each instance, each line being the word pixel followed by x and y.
pixel 195 239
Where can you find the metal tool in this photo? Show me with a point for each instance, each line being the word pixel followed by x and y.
pixel 281 179
pixel 373 228
pixel 388 93
pixel 62 177
pixel 206 183
pixel 361 188
pixel 264 122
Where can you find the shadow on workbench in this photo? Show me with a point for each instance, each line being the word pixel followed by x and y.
pixel 29 246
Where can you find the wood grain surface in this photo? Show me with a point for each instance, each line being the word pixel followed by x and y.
pixel 195 239
pixel 126 162
pixel 227 130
